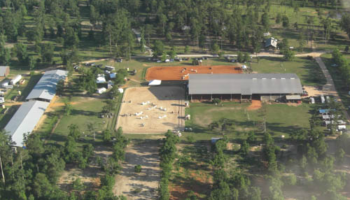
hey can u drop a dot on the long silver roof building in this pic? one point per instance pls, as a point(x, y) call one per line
point(45, 89)
point(244, 84)
point(25, 120)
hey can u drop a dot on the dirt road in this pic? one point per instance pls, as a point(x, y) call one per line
point(144, 185)
point(329, 87)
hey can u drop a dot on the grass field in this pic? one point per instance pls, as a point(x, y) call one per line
point(281, 119)
point(308, 70)
point(85, 111)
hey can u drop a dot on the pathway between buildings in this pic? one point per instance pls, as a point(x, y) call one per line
point(329, 87)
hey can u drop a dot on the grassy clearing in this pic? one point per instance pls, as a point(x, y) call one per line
point(308, 70)
point(281, 119)
point(86, 111)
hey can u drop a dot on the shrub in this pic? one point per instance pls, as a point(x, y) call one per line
point(190, 139)
point(138, 168)
point(216, 101)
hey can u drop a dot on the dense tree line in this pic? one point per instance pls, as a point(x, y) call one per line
point(342, 65)
point(167, 154)
point(33, 172)
point(238, 23)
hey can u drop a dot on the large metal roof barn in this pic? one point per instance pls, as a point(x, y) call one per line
point(45, 89)
point(25, 120)
point(244, 84)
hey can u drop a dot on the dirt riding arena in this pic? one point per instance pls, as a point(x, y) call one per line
point(182, 72)
point(147, 110)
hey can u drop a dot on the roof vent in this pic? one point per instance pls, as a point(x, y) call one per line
point(273, 78)
point(283, 78)
point(263, 78)
point(292, 78)
point(254, 78)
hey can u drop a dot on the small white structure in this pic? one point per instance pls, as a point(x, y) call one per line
point(244, 67)
point(101, 78)
point(16, 79)
point(323, 100)
point(5, 84)
point(112, 75)
point(267, 34)
point(185, 28)
point(155, 82)
point(2, 100)
point(341, 127)
point(101, 90)
point(312, 100)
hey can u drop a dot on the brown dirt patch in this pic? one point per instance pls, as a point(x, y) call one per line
point(181, 72)
point(143, 185)
point(198, 182)
point(256, 105)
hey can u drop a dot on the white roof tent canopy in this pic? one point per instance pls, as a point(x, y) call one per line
point(155, 82)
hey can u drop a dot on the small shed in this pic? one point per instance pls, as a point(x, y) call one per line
point(2, 100)
point(4, 71)
point(155, 82)
point(112, 75)
point(101, 78)
point(121, 90)
point(16, 79)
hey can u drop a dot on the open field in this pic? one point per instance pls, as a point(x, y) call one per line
point(85, 113)
point(155, 100)
point(280, 118)
point(308, 70)
point(143, 185)
point(181, 73)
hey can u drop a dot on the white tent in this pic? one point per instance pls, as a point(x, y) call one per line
point(155, 82)
point(16, 79)
point(244, 67)
point(100, 80)
point(121, 90)
point(101, 90)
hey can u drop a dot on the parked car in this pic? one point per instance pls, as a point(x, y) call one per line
point(305, 94)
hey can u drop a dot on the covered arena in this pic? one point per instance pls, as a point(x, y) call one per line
point(243, 87)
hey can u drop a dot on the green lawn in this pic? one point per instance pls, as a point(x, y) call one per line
point(82, 114)
point(308, 70)
point(281, 119)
